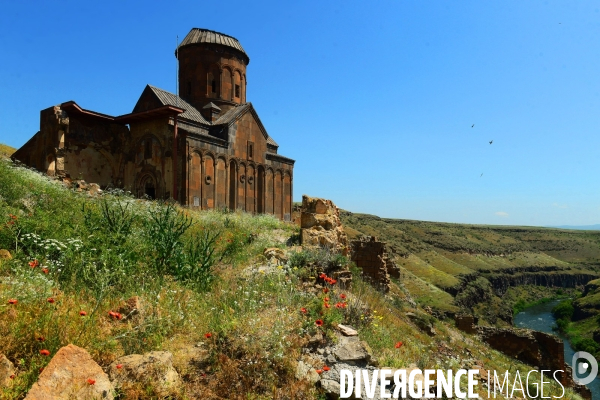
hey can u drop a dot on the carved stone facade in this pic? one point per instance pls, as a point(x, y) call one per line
point(206, 148)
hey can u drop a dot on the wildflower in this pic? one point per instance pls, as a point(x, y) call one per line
point(13, 216)
point(322, 276)
point(319, 371)
point(303, 310)
point(344, 304)
point(327, 305)
point(45, 352)
point(41, 338)
point(12, 376)
point(119, 366)
point(326, 368)
point(13, 301)
point(45, 270)
point(208, 335)
point(34, 263)
point(342, 296)
point(50, 300)
point(326, 299)
point(319, 322)
point(41, 369)
point(398, 345)
point(325, 290)
point(82, 313)
point(115, 315)
point(280, 267)
point(338, 305)
point(91, 381)
point(332, 281)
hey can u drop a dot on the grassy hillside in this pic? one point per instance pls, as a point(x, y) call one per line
point(6, 151)
point(76, 258)
point(480, 267)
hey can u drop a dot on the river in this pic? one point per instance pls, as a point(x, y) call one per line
point(540, 318)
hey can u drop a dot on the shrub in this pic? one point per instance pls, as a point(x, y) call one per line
point(563, 310)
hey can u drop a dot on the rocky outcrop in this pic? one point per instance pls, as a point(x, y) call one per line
point(538, 277)
point(5, 255)
point(466, 323)
point(71, 374)
point(371, 256)
point(320, 225)
point(154, 369)
point(538, 349)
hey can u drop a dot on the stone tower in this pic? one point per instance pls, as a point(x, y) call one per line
point(212, 69)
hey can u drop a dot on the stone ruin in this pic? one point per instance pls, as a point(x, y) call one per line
point(370, 255)
point(320, 225)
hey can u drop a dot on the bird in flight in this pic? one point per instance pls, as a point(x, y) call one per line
point(472, 125)
point(481, 175)
point(491, 141)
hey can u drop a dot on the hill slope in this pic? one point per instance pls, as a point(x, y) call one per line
point(481, 267)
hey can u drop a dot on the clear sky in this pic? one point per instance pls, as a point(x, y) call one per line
point(375, 100)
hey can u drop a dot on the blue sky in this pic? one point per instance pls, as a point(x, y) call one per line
point(374, 99)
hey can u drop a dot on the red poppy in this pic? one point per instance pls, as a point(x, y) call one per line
point(115, 315)
point(344, 304)
point(319, 371)
point(303, 310)
point(208, 335)
point(325, 290)
point(41, 338)
point(332, 281)
point(326, 305)
point(322, 276)
point(82, 313)
point(12, 376)
point(338, 305)
point(13, 301)
point(119, 366)
point(45, 352)
point(342, 296)
point(34, 263)
point(45, 270)
point(10, 223)
point(398, 345)
point(41, 369)
point(13, 216)
point(319, 322)
point(91, 381)
point(326, 368)
point(326, 299)
point(50, 300)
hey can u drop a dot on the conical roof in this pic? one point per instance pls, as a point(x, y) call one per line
point(199, 35)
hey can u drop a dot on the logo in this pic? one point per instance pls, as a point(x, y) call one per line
point(581, 367)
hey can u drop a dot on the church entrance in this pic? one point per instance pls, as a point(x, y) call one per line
point(147, 187)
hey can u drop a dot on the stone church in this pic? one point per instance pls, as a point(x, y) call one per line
point(206, 149)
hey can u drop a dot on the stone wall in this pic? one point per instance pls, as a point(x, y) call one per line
point(320, 225)
point(466, 323)
point(371, 257)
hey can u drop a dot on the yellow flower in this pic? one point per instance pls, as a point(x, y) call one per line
point(280, 267)
point(262, 271)
point(375, 325)
point(374, 311)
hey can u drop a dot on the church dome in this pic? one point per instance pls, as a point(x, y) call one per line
point(201, 36)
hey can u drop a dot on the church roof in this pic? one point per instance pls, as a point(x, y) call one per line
point(199, 35)
point(169, 99)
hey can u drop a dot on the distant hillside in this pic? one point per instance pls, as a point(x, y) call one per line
point(483, 268)
point(580, 227)
point(6, 151)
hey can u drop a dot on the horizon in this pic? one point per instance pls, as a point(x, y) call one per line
point(388, 109)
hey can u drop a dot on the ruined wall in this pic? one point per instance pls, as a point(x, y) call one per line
point(320, 225)
point(466, 323)
point(371, 257)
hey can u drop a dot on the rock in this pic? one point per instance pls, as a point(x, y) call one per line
point(7, 369)
point(5, 255)
point(352, 351)
point(306, 372)
point(154, 369)
point(346, 330)
point(69, 375)
point(331, 387)
point(277, 254)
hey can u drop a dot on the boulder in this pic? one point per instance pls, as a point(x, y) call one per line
point(131, 308)
point(71, 374)
point(7, 370)
point(346, 330)
point(276, 254)
point(154, 369)
point(305, 372)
